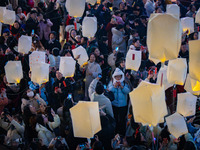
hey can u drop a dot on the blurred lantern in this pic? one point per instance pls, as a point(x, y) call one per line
point(85, 119)
point(0, 27)
point(163, 37)
point(75, 8)
point(36, 57)
point(162, 78)
point(24, 44)
point(177, 71)
point(92, 2)
point(173, 9)
point(194, 63)
point(187, 24)
point(13, 70)
point(98, 1)
point(2, 9)
point(192, 86)
point(197, 17)
point(149, 108)
point(186, 105)
point(176, 125)
point(89, 26)
point(133, 59)
point(67, 66)
point(9, 17)
point(80, 51)
point(40, 73)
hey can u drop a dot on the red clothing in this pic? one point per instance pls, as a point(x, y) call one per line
point(109, 35)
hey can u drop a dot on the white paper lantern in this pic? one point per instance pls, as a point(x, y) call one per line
point(133, 59)
point(148, 102)
point(176, 125)
point(177, 71)
point(40, 73)
point(36, 57)
point(67, 66)
point(83, 55)
point(92, 2)
point(163, 37)
point(24, 44)
point(162, 78)
point(194, 63)
point(187, 24)
point(2, 9)
point(89, 26)
point(9, 17)
point(186, 105)
point(13, 70)
point(197, 17)
point(173, 9)
point(85, 119)
point(192, 86)
point(75, 8)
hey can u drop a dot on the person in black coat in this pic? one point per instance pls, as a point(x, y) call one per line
point(32, 23)
point(53, 42)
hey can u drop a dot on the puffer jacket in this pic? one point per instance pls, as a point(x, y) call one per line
point(46, 135)
point(118, 40)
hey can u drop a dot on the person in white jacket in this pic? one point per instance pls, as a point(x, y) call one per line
point(45, 128)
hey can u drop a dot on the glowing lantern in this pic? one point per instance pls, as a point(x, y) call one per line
point(133, 59)
point(13, 70)
point(186, 105)
point(92, 2)
point(192, 86)
point(197, 17)
point(177, 71)
point(98, 1)
point(149, 108)
point(194, 63)
point(40, 73)
point(36, 57)
point(75, 8)
point(24, 44)
point(67, 66)
point(9, 17)
point(89, 26)
point(85, 119)
point(2, 9)
point(173, 9)
point(83, 55)
point(187, 24)
point(162, 78)
point(176, 125)
point(163, 37)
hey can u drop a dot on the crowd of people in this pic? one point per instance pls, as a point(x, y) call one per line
point(37, 116)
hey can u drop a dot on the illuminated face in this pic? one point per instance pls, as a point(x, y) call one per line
point(92, 58)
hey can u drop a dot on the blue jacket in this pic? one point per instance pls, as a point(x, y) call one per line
point(120, 94)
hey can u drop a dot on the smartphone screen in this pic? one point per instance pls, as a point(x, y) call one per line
point(117, 48)
point(69, 96)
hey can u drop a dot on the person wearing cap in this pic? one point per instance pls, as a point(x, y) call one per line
point(32, 23)
point(120, 90)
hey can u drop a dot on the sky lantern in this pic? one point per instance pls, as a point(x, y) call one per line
point(177, 71)
point(85, 119)
point(187, 24)
point(40, 73)
point(149, 108)
point(197, 17)
point(163, 37)
point(9, 17)
point(75, 8)
point(89, 26)
point(186, 105)
point(36, 57)
point(2, 9)
point(67, 66)
point(13, 70)
point(80, 51)
point(173, 9)
point(176, 125)
point(133, 59)
point(192, 86)
point(24, 44)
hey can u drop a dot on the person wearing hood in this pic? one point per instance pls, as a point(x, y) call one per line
point(120, 90)
point(53, 42)
point(45, 128)
point(119, 39)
